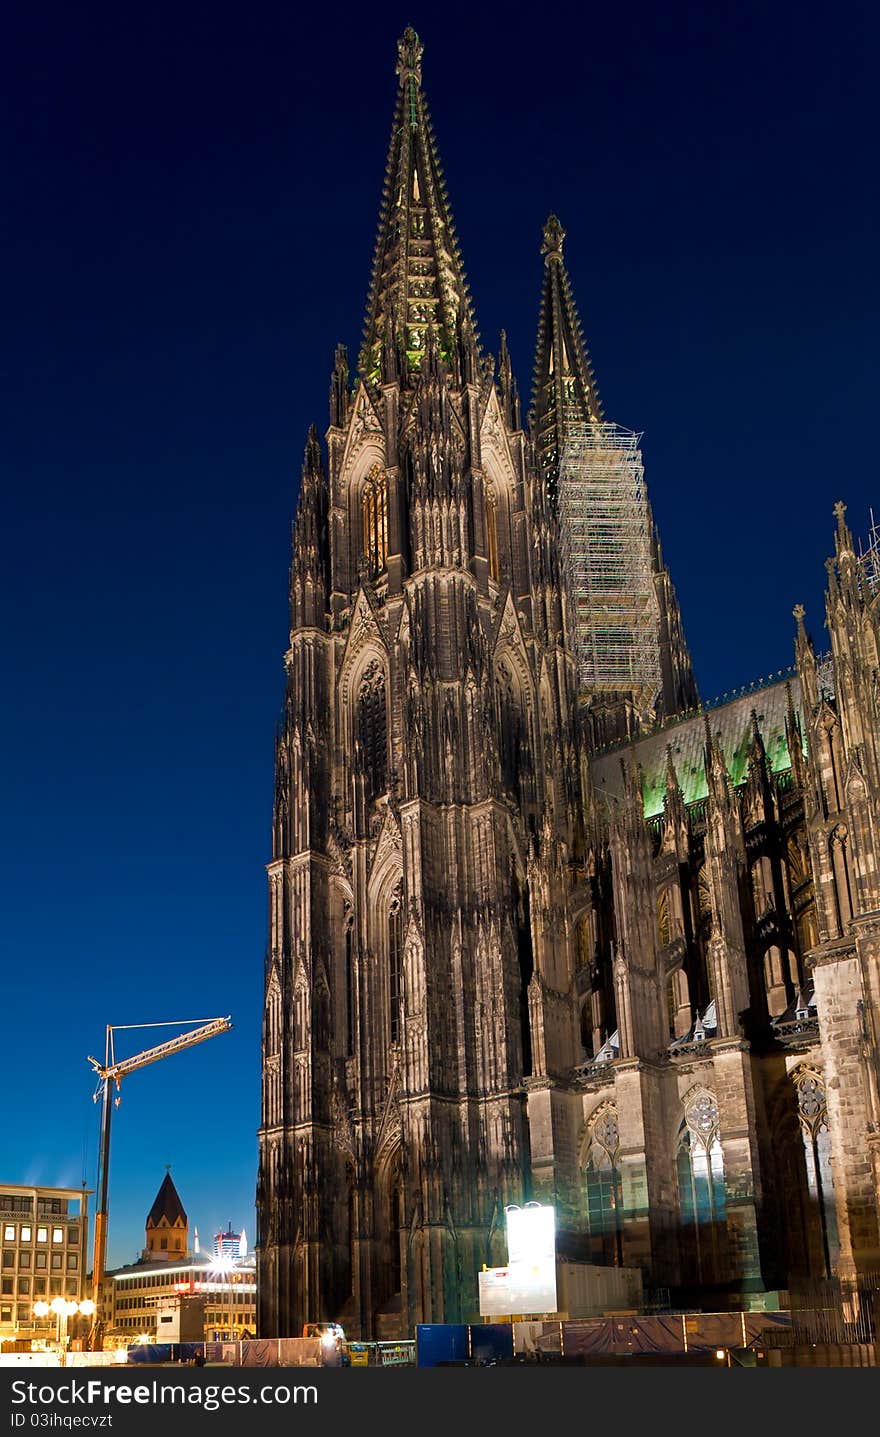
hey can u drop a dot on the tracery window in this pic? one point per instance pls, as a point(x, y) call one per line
point(604, 1189)
point(374, 508)
point(701, 1194)
point(372, 730)
point(395, 965)
point(813, 1115)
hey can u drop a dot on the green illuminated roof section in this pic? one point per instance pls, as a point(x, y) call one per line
point(731, 724)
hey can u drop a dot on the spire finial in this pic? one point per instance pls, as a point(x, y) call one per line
point(553, 236)
point(409, 56)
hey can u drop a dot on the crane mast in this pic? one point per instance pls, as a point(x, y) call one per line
point(110, 1074)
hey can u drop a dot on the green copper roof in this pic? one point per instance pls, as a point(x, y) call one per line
point(732, 725)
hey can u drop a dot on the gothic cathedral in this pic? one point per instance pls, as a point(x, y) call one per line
point(535, 933)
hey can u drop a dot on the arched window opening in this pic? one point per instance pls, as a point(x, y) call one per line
point(586, 1025)
point(492, 532)
point(372, 730)
point(664, 918)
point(396, 1271)
point(395, 967)
point(679, 1003)
point(838, 766)
point(299, 1019)
point(813, 1115)
point(778, 982)
point(349, 989)
point(605, 1190)
point(521, 908)
point(701, 1194)
point(374, 508)
point(273, 1020)
point(352, 1231)
point(322, 1019)
point(513, 738)
point(762, 885)
point(841, 877)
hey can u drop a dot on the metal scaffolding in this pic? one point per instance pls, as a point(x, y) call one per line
point(606, 535)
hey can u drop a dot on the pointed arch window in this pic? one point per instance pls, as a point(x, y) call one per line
point(605, 1189)
point(701, 1193)
point(374, 509)
point(513, 739)
point(372, 729)
point(299, 1019)
point(395, 966)
point(349, 987)
point(492, 532)
point(840, 869)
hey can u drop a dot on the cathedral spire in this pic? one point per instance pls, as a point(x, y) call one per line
point(564, 388)
point(308, 568)
point(418, 283)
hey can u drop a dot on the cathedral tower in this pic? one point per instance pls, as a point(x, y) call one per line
point(634, 667)
point(427, 806)
point(535, 933)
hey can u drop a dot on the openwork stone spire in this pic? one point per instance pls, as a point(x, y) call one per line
point(564, 389)
point(418, 282)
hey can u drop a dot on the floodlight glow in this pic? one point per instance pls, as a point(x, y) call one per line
point(41, 1309)
point(87, 1307)
point(58, 1306)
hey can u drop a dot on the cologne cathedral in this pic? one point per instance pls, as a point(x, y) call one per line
point(541, 925)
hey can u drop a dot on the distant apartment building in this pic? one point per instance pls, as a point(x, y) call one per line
point(43, 1256)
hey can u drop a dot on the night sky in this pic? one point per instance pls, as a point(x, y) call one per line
point(189, 199)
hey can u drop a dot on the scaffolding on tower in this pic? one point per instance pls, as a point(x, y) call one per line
point(606, 533)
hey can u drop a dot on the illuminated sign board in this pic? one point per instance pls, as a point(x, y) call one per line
point(528, 1283)
point(531, 1235)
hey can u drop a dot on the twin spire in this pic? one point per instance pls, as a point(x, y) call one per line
point(564, 389)
point(419, 298)
point(418, 292)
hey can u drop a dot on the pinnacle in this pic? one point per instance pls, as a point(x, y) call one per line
point(409, 55)
point(553, 235)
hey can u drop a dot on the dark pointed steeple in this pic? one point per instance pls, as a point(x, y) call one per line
point(564, 387)
point(308, 568)
point(418, 282)
point(166, 1205)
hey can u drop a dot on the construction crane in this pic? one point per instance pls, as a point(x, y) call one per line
point(110, 1074)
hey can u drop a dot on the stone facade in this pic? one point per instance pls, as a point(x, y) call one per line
point(639, 981)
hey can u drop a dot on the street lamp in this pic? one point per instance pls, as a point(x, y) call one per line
point(63, 1310)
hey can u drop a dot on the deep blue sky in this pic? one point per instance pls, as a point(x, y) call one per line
point(189, 198)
